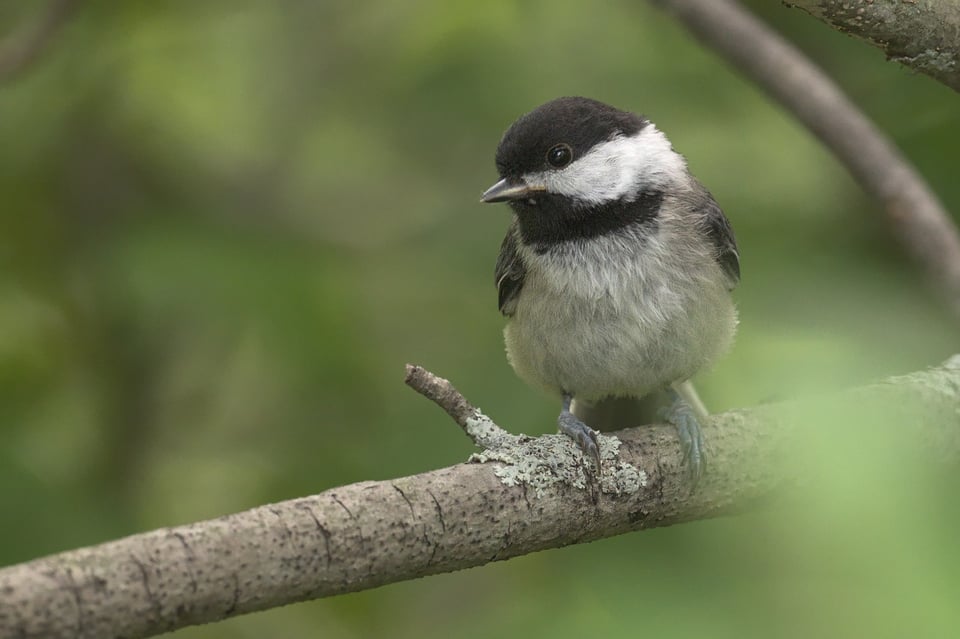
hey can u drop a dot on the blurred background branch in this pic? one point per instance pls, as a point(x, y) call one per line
point(916, 216)
point(921, 34)
point(24, 47)
point(369, 534)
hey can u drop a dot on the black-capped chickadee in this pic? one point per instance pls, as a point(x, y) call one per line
point(615, 275)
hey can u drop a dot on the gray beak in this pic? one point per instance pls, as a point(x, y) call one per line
point(504, 191)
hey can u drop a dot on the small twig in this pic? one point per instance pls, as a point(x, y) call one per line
point(21, 51)
point(441, 392)
point(542, 461)
point(478, 427)
point(918, 219)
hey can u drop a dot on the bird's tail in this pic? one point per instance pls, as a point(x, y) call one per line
point(614, 413)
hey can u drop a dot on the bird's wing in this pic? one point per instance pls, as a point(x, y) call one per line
point(510, 271)
point(718, 229)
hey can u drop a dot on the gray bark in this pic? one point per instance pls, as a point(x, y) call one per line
point(537, 495)
point(921, 34)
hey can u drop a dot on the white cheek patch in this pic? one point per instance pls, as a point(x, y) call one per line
point(621, 167)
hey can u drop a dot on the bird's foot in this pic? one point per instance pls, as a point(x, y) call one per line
point(681, 415)
point(585, 437)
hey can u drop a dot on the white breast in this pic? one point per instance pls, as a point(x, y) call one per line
point(618, 315)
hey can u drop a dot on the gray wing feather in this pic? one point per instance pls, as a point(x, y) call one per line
point(510, 272)
point(718, 229)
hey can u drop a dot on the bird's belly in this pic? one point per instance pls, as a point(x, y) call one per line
point(593, 347)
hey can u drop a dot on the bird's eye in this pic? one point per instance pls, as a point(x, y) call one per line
point(559, 155)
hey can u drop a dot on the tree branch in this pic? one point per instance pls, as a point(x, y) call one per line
point(18, 52)
point(918, 219)
point(479, 428)
point(921, 34)
point(530, 497)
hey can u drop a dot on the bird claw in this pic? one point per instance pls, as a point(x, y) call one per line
point(587, 439)
point(691, 438)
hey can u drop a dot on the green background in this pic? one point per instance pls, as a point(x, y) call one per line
point(226, 226)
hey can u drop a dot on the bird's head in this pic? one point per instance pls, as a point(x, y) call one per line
point(575, 167)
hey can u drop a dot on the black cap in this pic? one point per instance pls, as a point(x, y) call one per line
point(578, 122)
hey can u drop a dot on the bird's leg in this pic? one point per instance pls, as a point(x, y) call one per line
point(585, 437)
point(687, 413)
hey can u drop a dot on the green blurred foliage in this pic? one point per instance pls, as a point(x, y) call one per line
point(225, 226)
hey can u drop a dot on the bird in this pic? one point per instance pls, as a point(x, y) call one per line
point(616, 271)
